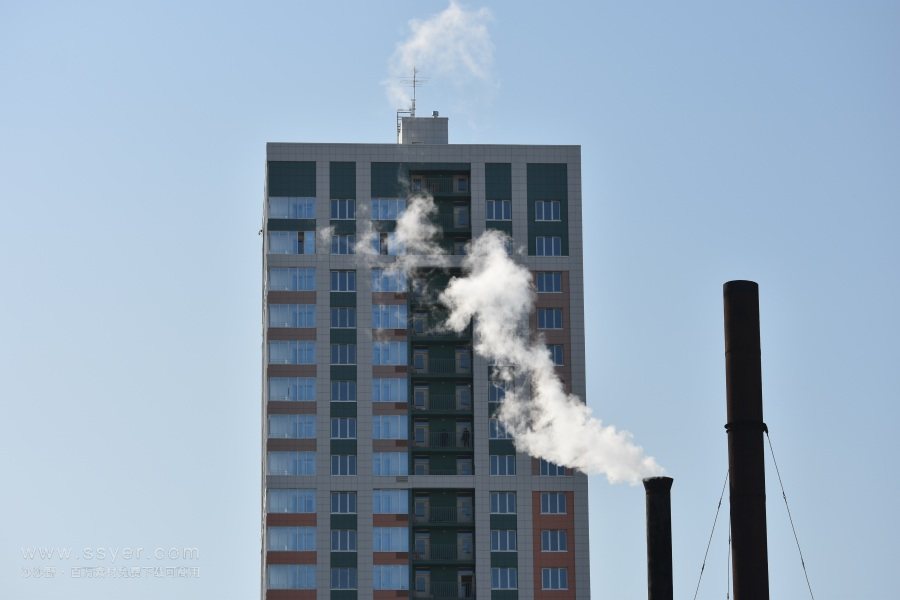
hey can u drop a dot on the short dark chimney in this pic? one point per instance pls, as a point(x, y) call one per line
point(746, 467)
point(659, 538)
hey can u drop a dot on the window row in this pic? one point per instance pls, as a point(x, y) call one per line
point(303, 352)
point(381, 209)
point(292, 242)
point(293, 463)
point(383, 502)
point(547, 245)
point(292, 315)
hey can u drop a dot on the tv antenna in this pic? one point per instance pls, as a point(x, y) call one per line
point(414, 82)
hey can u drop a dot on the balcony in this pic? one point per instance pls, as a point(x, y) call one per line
point(430, 332)
point(445, 440)
point(437, 185)
point(453, 223)
point(442, 553)
point(443, 403)
point(446, 591)
point(444, 515)
point(441, 367)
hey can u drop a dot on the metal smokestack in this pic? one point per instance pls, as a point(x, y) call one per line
point(659, 538)
point(746, 467)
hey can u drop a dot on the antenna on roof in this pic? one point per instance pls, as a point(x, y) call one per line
point(415, 81)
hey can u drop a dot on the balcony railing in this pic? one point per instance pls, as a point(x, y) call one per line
point(445, 403)
point(446, 591)
point(446, 440)
point(448, 552)
point(454, 223)
point(442, 366)
point(447, 515)
point(438, 186)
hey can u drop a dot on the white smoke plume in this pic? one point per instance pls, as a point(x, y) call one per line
point(413, 242)
point(453, 45)
point(543, 419)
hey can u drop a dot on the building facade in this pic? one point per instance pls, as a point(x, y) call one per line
point(384, 473)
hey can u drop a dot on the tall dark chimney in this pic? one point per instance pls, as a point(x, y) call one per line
point(746, 468)
point(659, 538)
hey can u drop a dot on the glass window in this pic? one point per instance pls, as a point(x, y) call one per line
point(292, 539)
point(291, 577)
point(292, 279)
point(343, 464)
point(343, 390)
point(463, 397)
point(389, 316)
point(463, 360)
point(343, 354)
point(503, 540)
point(548, 282)
point(504, 578)
point(551, 469)
point(292, 389)
point(499, 210)
point(343, 317)
point(390, 463)
point(420, 359)
point(556, 354)
point(285, 207)
point(292, 242)
point(460, 215)
point(546, 210)
point(554, 578)
point(390, 389)
point(389, 353)
point(343, 243)
point(548, 245)
point(390, 539)
point(343, 540)
point(343, 578)
point(284, 500)
point(549, 318)
point(390, 502)
point(462, 183)
point(386, 209)
point(496, 392)
point(503, 464)
point(343, 502)
point(291, 463)
point(553, 503)
point(384, 280)
point(292, 352)
point(298, 427)
point(389, 427)
point(292, 315)
point(387, 244)
point(343, 281)
point(420, 397)
point(390, 577)
point(503, 503)
point(497, 430)
point(554, 540)
point(344, 208)
point(343, 428)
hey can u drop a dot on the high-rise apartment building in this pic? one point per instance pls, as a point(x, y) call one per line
point(385, 475)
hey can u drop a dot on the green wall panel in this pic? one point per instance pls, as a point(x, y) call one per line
point(342, 179)
point(289, 178)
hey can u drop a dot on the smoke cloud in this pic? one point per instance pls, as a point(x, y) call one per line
point(413, 242)
point(454, 45)
point(543, 419)
point(498, 295)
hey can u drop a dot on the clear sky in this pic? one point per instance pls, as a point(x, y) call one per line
point(719, 141)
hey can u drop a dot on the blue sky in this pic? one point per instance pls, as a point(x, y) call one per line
point(719, 142)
